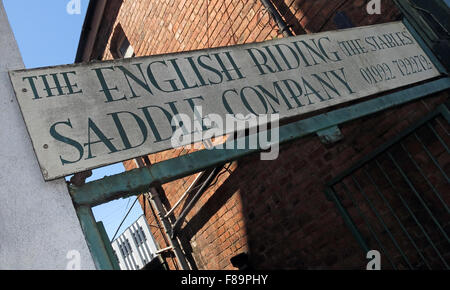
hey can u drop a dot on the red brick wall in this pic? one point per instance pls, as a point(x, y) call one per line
point(274, 210)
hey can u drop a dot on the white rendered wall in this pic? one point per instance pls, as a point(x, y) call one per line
point(140, 255)
point(38, 223)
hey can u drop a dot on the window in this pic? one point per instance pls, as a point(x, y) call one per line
point(435, 13)
point(120, 45)
point(142, 234)
point(115, 255)
point(139, 236)
point(397, 194)
point(136, 238)
point(128, 247)
point(125, 49)
point(125, 248)
point(430, 19)
point(122, 250)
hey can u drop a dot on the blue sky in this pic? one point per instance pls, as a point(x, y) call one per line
point(47, 35)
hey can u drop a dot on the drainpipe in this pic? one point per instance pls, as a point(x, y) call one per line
point(160, 211)
point(284, 28)
point(90, 29)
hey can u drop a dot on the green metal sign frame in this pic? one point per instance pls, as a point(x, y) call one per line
point(137, 181)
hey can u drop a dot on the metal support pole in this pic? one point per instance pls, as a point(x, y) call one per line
point(156, 203)
point(284, 28)
point(101, 250)
point(331, 194)
point(184, 194)
point(198, 194)
point(173, 242)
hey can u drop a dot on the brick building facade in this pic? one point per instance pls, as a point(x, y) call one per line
point(276, 211)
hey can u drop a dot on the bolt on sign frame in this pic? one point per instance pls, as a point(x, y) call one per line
point(138, 181)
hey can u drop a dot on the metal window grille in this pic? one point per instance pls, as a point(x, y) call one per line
point(396, 200)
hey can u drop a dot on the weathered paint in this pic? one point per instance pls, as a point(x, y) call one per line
point(95, 240)
point(89, 115)
point(108, 246)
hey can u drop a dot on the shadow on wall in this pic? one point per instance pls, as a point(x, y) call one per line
point(289, 223)
point(118, 41)
point(305, 16)
point(287, 226)
point(289, 16)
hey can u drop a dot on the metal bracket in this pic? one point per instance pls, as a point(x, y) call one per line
point(330, 135)
point(79, 178)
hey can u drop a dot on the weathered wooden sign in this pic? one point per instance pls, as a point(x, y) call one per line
point(88, 115)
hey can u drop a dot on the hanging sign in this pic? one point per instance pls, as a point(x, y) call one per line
point(89, 115)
